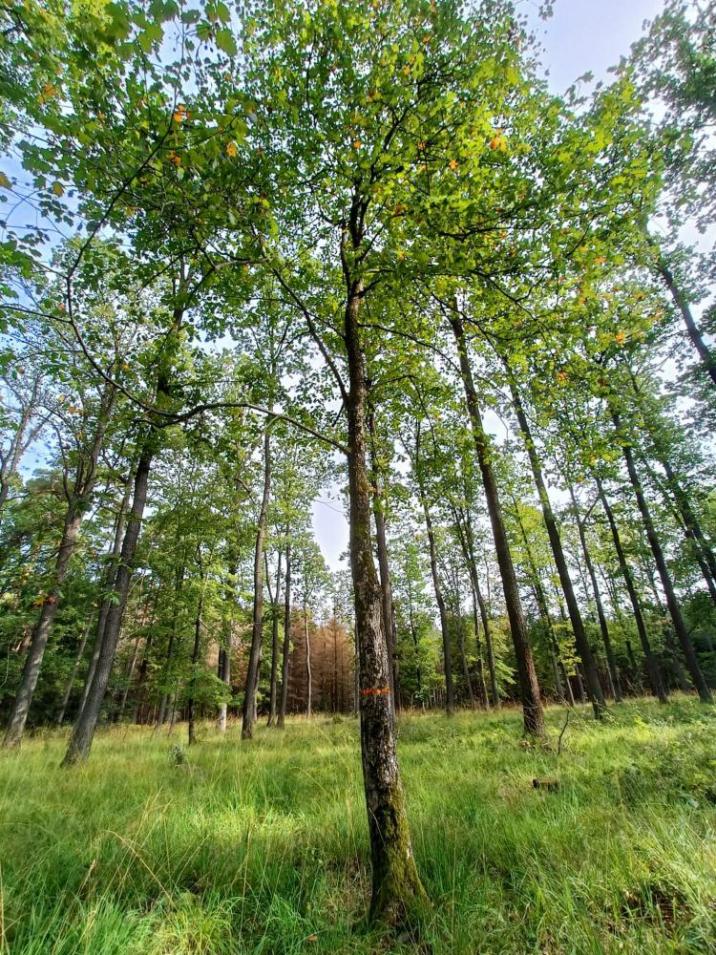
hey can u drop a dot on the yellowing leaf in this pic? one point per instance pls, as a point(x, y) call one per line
point(232, 150)
point(4, 181)
point(48, 91)
point(58, 189)
point(357, 144)
point(453, 164)
point(499, 142)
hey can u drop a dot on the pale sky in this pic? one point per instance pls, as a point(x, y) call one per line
point(583, 36)
point(588, 35)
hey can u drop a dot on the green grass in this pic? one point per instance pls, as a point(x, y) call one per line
point(261, 847)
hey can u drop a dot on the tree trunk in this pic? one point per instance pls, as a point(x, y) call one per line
point(130, 674)
point(672, 603)
point(191, 703)
point(224, 674)
point(252, 673)
point(140, 710)
point(73, 675)
point(78, 500)
point(463, 658)
point(84, 729)
point(41, 632)
point(172, 718)
point(437, 586)
point(384, 568)
point(681, 505)
point(396, 884)
point(682, 303)
point(652, 668)
point(172, 644)
point(273, 692)
point(543, 608)
point(107, 590)
point(533, 713)
point(678, 502)
point(416, 645)
point(335, 662)
point(10, 461)
point(286, 640)
point(603, 626)
point(469, 550)
point(309, 672)
point(594, 688)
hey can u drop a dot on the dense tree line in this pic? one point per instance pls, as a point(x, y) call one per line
point(285, 251)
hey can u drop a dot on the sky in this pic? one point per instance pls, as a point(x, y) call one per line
point(582, 36)
point(588, 35)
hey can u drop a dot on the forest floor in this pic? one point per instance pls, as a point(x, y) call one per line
point(262, 847)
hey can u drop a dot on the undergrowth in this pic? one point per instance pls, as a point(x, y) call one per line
point(233, 847)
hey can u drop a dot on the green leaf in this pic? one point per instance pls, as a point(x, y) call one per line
point(226, 42)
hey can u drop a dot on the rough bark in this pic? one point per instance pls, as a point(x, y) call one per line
point(396, 887)
point(533, 713)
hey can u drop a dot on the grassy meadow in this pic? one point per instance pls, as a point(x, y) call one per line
point(261, 847)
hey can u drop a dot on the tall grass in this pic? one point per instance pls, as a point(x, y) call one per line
point(261, 847)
